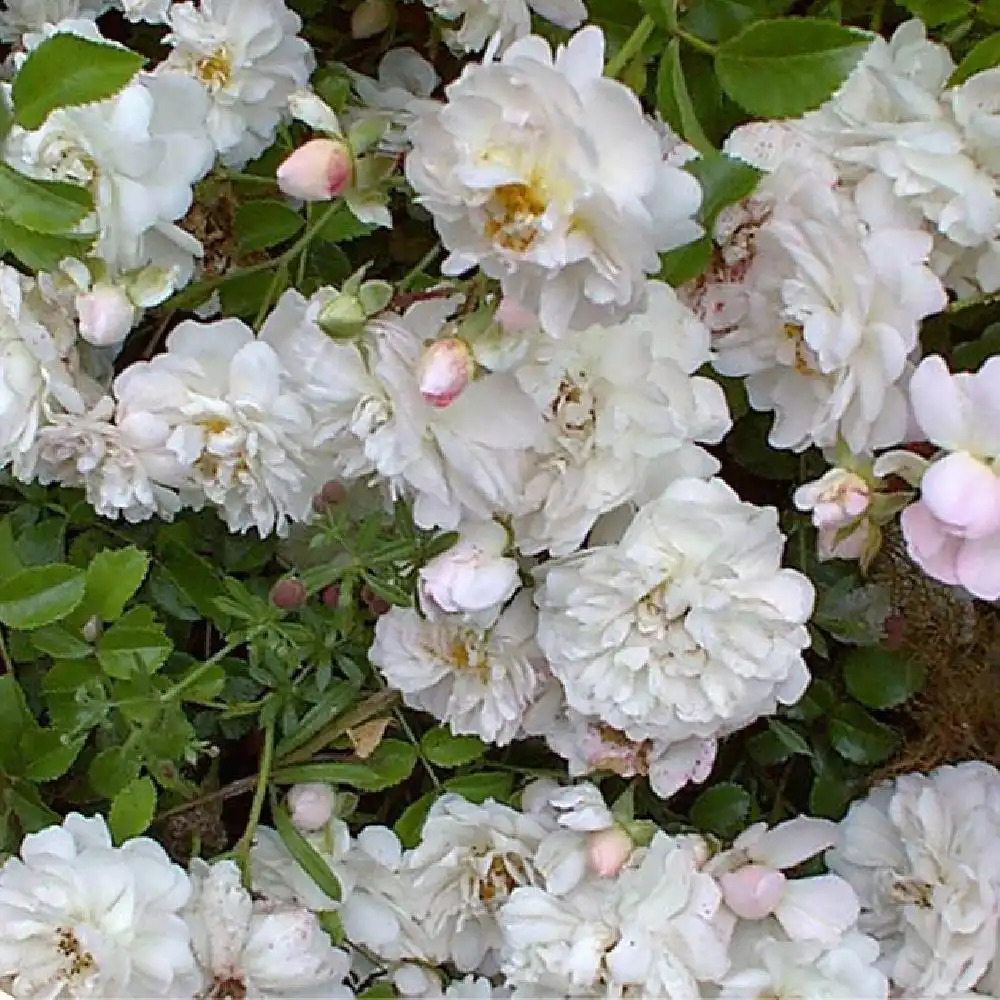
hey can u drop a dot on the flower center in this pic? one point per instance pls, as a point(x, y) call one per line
point(803, 356)
point(215, 69)
point(514, 212)
point(78, 963)
point(914, 891)
point(574, 407)
point(504, 874)
point(225, 989)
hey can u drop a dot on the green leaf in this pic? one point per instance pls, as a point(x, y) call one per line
point(40, 595)
point(724, 181)
point(879, 678)
point(411, 821)
point(989, 11)
point(49, 753)
point(983, 55)
point(52, 207)
point(685, 263)
point(14, 719)
point(776, 745)
point(265, 223)
point(722, 809)
point(343, 226)
point(133, 809)
point(445, 750)
point(127, 648)
point(38, 251)
point(114, 576)
point(66, 70)
point(674, 101)
point(31, 812)
point(859, 738)
point(10, 560)
point(60, 643)
point(787, 66)
point(392, 762)
point(209, 685)
point(968, 357)
point(111, 770)
point(935, 12)
point(42, 542)
point(829, 796)
point(484, 785)
point(305, 854)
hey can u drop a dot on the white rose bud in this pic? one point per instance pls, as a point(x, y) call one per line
point(106, 315)
point(371, 17)
point(608, 850)
point(318, 171)
point(835, 499)
point(311, 805)
point(473, 578)
point(445, 370)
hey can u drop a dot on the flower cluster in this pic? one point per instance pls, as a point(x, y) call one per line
point(80, 917)
point(565, 898)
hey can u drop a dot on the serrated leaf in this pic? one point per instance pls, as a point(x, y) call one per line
point(38, 251)
point(113, 577)
point(442, 748)
point(859, 738)
point(265, 223)
point(723, 181)
point(40, 595)
point(411, 821)
point(111, 770)
point(133, 809)
point(677, 267)
point(66, 70)
point(209, 685)
point(784, 67)
point(133, 644)
point(52, 207)
point(305, 854)
point(60, 643)
point(722, 809)
point(49, 754)
point(879, 678)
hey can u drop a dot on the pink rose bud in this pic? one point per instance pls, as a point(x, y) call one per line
point(752, 892)
point(288, 594)
point(311, 805)
point(445, 370)
point(317, 171)
point(106, 315)
point(608, 850)
point(963, 494)
point(371, 17)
